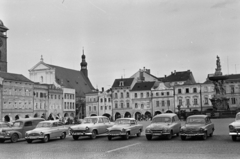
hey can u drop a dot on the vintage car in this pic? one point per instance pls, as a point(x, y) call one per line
point(5, 125)
point(197, 126)
point(234, 127)
point(167, 124)
point(125, 127)
point(47, 130)
point(91, 126)
point(18, 129)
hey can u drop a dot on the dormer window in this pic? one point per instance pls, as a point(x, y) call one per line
point(121, 83)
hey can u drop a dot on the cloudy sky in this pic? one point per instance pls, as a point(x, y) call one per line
point(122, 36)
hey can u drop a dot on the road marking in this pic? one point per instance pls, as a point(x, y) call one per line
point(122, 147)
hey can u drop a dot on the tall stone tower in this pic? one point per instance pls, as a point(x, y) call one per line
point(84, 65)
point(3, 47)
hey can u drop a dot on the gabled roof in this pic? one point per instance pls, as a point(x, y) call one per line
point(72, 79)
point(178, 76)
point(126, 82)
point(14, 77)
point(143, 86)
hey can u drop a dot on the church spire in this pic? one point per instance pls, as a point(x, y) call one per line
point(84, 64)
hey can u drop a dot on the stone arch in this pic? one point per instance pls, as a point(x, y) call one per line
point(26, 116)
point(148, 114)
point(43, 116)
point(7, 118)
point(93, 115)
point(35, 115)
point(157, 112)
point(138, 116)
point(127, 115)
point(107, 115)
point(50, 117)
point(117, 115)
point(72, 115)
point(168, 111)
point(17, 117)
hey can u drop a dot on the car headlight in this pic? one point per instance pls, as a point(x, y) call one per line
point(26, 134)
point(41, 133)
point(148, 131)
point(123, 130)
point(202, 130)
point(87, 128)
point(231, 128)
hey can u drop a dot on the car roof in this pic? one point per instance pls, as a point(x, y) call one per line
point(30, 119)
point(165, 115)
point(126, 118)
point(97, 117)
point(199, 116)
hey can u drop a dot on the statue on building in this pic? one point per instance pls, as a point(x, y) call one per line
point(218, 71)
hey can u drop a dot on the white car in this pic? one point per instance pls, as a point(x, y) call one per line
point(234, 128)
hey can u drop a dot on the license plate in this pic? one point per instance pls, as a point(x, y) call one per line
point(157, 133)
point(77, 133)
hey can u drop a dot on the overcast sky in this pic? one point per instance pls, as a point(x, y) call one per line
point(122, 36)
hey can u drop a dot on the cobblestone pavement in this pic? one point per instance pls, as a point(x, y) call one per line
point(218, 147)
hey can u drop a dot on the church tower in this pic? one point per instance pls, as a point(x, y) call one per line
point(3, 47)
point(84, 65)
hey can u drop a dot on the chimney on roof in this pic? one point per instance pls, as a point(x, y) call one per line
point(175, 72)
point(171, 73)
point(188, 70)
point(102, 89)
point(141, 76)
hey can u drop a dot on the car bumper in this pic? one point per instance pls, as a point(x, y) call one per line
point(157, 134)
point(34, 137)
point(81, 134)
point(5, 137)
point(234, 133)
point(118, 134)
point(192, 134)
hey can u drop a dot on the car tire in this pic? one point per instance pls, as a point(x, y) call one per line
point(2, 140)
point(45, 138)
point(149, 137)
point(75, 137)
point(63, 136)
point(169, 137)
point(204, 137)
point(29, 141)
point(14, 138)
point(183, 137)
point(94, 134)
point(126, 137)
point(139, 133)
point(234, 138)
point(109, 138)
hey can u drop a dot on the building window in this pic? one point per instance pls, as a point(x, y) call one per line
point(195, 101)
point(65, 105)
point(147, 94)
point(187, 90)
point(127, 94)
point(157, 94)
point(135, 95)
point(187, 101)
point(141, 95)
point(41, 79)
point(232, 89)
point(168, 93)
point(179, 91)
point(136, 105)
point(109, 100)
point(142, 106)
point(162, 93)
point(90, 108)
point(157, 103)
point(194, 90)
point(116, 105)
point(206, 100)
point(95, 108)
point(116, 96)
point(101, 107)
point(168, 102)
point(121, 95)
point(233, 100)
point(180, 102)
point(121, 105)
point(105, 107)
point(101, 100)
point(105, 99)
point(109, 107)
point(163, 103)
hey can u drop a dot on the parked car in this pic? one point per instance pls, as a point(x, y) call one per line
point(125, 127)
point(234, 127)
point(18, 129)
point(197, 126)
point(5, 125)
point(91, 126)
point(163, 125)
point(47, 130)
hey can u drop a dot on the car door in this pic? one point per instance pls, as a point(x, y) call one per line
point(101, 126)
point(54, 130)
point(208, 125)
point(107, 123)
point(178, 123)
point(133, 128)
point(28, 125)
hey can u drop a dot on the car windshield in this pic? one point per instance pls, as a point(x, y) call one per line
point(161, 120)
point(17, 124)
point(238, 117)
point(44, 125)
point(122, 121)
point(195, 120)
point(90, 120)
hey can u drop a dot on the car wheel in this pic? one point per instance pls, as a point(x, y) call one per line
point(14, 138)
point(29, 141)
point(109, 138)
point(2, 140)
point(139, 133)
point(204, 137)
point(75, 137)
point(126, 137)
point(94, 134)
point(183, 137)
point(169, 137)
point(211, 134)
point(149, 137)
point(63, 136)
point(45, 138)
point(234, 138)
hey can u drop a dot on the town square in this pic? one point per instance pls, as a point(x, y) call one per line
point(119, 79)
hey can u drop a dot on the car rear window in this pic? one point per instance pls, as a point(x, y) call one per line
point(161, 120)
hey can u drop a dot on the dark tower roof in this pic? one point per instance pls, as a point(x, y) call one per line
point(83, 63)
